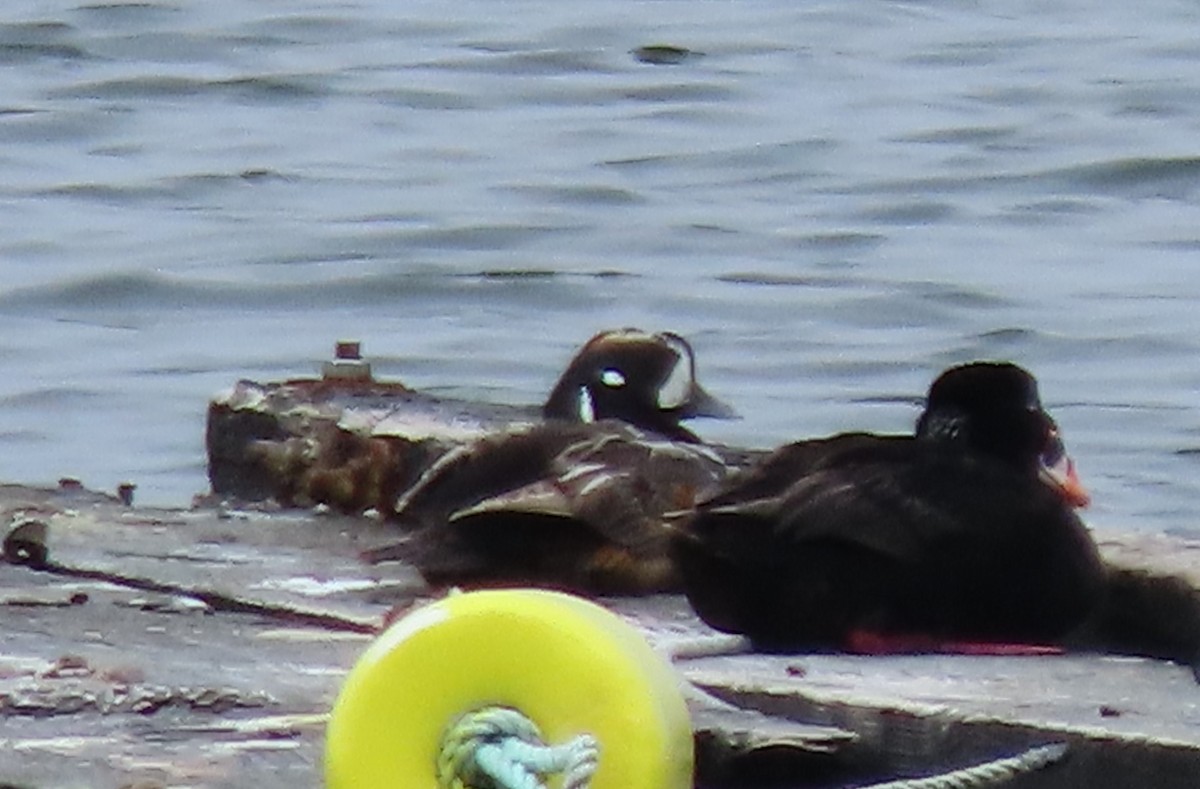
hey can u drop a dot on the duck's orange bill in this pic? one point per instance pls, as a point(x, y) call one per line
point(1061, 476)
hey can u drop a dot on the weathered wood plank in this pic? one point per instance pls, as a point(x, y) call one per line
point(204, 648)
point(160, 648)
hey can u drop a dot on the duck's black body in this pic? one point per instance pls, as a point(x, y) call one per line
point(894, 536)
point(949, 535)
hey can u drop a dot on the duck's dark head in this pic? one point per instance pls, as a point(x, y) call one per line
point(647, 380)
point(994, 408)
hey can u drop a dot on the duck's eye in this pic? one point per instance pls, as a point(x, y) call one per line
point(612, 378)
point(676, 390)
point(1053, 451)
point(951, 426)
point(587, 409)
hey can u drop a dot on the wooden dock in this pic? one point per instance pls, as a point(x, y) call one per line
point(203, 648)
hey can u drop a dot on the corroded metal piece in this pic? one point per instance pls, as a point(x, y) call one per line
point(350, 443)
point(25, 543)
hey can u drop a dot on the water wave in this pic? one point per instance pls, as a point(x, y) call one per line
point(258, 88)
point(23, 42)
point(133, 292)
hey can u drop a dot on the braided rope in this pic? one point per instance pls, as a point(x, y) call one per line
point(499, 748)
point(987, 774)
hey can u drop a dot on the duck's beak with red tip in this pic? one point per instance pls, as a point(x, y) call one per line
point(1057, 470)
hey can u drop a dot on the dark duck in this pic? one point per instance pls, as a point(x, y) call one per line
point(578, 501)
point(962, 537)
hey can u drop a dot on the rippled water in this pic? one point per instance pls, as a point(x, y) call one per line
point(833, 200)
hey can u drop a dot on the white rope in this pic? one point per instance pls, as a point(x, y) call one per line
point(500, 748)
point(983, 775)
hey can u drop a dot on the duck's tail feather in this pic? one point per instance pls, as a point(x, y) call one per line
point(1148, 614)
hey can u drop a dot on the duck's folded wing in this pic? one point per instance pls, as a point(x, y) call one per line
point(863, 506)
point(496, 464)
point(616, 483)
point(773, 474)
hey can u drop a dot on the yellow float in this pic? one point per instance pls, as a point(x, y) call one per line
point(474, 665)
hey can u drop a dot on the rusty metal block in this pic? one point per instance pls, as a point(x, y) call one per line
point(344, 440)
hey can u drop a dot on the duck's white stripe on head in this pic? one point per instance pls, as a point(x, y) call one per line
point(627, 335)
point(677, 387)
point(587, 409)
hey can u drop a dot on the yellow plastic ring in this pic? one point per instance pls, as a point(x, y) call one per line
point(568, 664)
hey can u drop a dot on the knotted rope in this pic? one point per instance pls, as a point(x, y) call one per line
point(499, 748)
point(987, 774)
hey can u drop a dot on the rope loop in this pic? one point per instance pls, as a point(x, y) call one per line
point(988, 774)
point(500, 748)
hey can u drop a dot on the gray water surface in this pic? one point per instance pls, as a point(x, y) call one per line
point(833, 200)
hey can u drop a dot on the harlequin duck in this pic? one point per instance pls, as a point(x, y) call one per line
point(645, 380)
point(578, 501)
point(965, 532)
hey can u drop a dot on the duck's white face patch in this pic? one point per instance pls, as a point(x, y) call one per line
point(675, 391)
point(612, 378)
point(587, 409)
